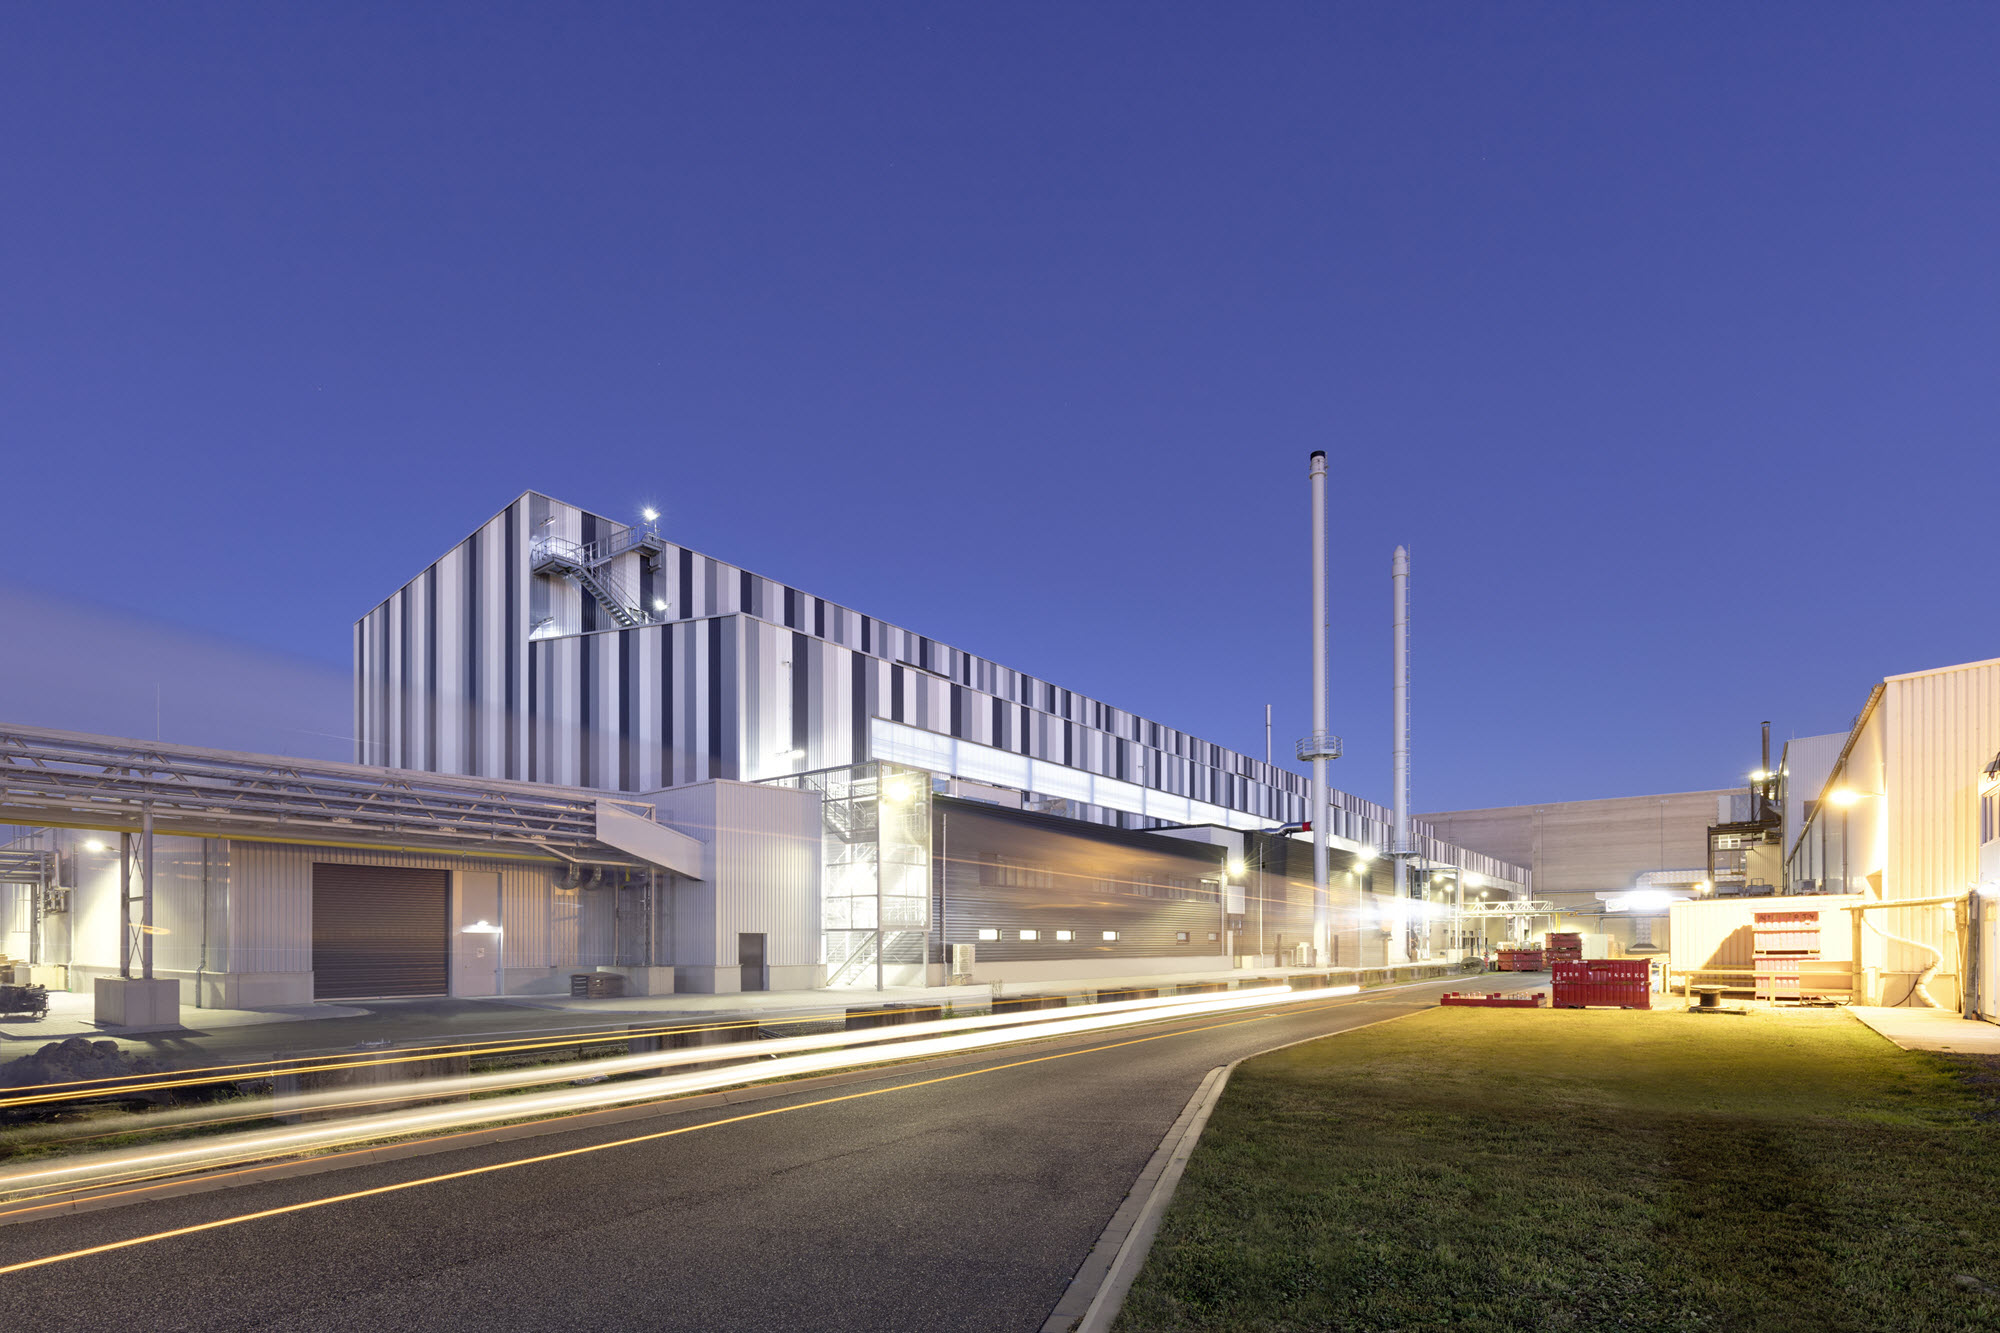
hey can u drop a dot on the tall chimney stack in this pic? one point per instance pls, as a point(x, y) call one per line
point(1318, 747)
point(1399, 577)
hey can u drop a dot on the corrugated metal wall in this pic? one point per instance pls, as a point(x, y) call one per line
point(1941, 730)
point(271, 900)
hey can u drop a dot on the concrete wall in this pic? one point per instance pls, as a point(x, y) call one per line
point(1579, 849)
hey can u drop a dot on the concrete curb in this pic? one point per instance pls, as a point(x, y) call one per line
point(1097, 1292)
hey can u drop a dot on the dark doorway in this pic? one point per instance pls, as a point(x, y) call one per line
point(750, 954)
point(380, 931)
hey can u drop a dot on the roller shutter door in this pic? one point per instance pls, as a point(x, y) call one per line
point(380, 931)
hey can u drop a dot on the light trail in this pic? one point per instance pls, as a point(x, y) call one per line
point(657, 1135)
point(117, 1169)
point(796, 1056)
point(83, 1089)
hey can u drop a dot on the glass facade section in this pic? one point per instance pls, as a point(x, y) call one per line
point(875, 881)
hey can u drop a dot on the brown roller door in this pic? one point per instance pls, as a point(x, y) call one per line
point(380, 931)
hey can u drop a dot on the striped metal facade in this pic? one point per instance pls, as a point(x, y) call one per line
point(480, 667)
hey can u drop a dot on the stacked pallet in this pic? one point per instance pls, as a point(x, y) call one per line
point(1564, 947)
point(1785, 944)
point(1527, 959)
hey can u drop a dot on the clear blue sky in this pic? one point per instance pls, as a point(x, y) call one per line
point(1668, 336)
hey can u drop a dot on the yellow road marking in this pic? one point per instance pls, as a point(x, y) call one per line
point(601, 1147)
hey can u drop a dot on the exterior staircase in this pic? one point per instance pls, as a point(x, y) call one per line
point(591, 566)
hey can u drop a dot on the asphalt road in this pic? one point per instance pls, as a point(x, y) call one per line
point(965, 1204)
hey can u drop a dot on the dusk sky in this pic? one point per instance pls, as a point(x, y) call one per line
point(1668, 338)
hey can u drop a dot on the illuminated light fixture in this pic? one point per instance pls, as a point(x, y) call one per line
point(1759, 775)
point(1843, 796)
point(1065, 934)
point(898, 790)
point(1473, 881)
point(794, 754)
point(1110, 934)
point(1236, 866)
point(479, 927)
point(1703, 887)
point(989, 934)
point(1031, 934)
point(94, 845)
point(659, 603)
point(1365, 854)
point(650, 514)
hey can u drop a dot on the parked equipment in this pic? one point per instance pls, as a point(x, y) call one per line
point(1564, 947)
point(30, 1000)
point(596, 985)
point(1620, 983)
point(1520, 960)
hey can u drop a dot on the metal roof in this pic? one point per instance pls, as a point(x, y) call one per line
point(74, 780)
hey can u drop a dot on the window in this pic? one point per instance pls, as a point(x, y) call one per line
point(1180, 937)
point(1110, 934)
point(1031, 934)
point(988, 933)
point(1065, 934)
point(1211, 937)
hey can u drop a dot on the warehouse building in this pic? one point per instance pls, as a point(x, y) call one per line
point(581, 746)
point(1898, 825)
point(557, 645)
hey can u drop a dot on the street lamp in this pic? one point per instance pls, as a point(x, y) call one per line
point(481, 927)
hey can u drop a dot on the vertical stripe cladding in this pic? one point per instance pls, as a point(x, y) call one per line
point(511, 703)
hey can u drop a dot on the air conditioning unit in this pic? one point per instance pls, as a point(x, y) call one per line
point(961, 963)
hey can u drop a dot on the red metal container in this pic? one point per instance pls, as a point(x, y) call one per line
point(1520, 960)
point(1622, 983)
point(1496, 1000)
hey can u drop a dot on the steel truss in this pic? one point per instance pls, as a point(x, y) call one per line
point(69, 779)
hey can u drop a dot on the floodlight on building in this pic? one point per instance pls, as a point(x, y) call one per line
point(93, 845)
point(659, 603)
point(1759, 775)
point(1843, 796)
point(650, 514)
point(1703, 887)
point(1365, 854)
point(1236, 867)
point(795, 754)
point(896, 791)
point(479, 927)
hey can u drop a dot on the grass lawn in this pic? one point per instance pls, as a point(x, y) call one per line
point(1589, 1169)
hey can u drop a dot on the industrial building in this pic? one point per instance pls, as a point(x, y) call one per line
point(582, 746)
point(1609, 868)
point(1901, 823)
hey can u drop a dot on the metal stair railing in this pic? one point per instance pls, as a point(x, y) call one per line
point(855, 963)
point(589, 565)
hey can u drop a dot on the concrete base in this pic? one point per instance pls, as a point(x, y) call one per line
point(135, 1003)
point(645, 980)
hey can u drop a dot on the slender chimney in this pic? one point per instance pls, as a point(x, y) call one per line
point(1322, 913)
point(1399, 578)
point(1770, 779)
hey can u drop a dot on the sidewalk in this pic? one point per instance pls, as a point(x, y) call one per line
point(1931, 1029)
